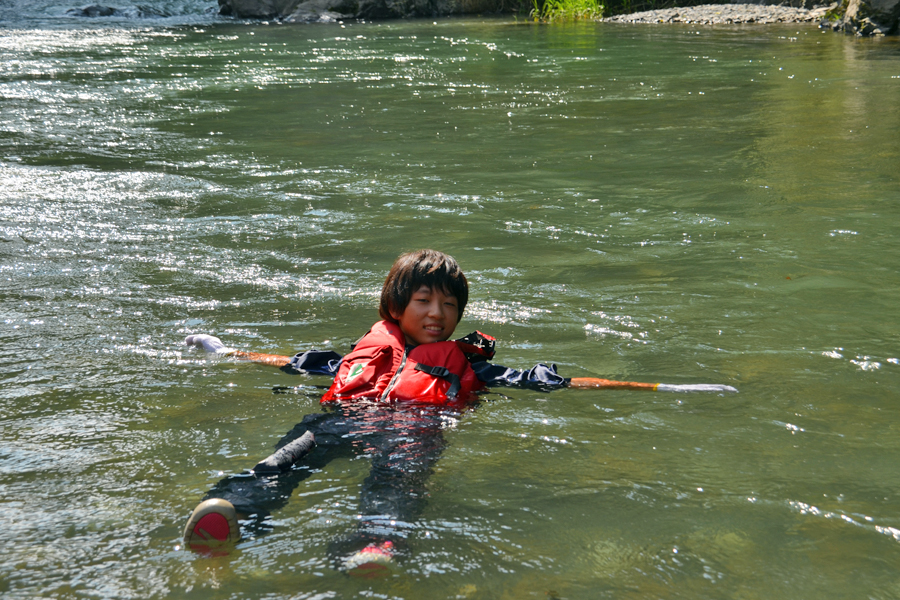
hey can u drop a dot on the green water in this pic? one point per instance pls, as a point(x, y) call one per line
point(653, 203)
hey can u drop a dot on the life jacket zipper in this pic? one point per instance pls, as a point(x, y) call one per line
point(393, 381)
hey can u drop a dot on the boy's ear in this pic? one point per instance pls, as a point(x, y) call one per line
point(395, 314)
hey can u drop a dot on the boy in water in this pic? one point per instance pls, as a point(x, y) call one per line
point(391, 396)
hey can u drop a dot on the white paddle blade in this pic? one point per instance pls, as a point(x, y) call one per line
point(210, 343)
point(695, 387)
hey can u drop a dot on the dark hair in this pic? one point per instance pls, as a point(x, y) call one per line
point(415, 269)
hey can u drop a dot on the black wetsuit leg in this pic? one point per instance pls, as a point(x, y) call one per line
point(256, 496)
point(404, 447)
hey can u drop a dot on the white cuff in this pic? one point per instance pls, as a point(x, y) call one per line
point(210, 343)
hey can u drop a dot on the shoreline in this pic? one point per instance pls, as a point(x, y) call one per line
point(724, 14)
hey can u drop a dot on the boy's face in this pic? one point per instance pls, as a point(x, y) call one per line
point(430, 316)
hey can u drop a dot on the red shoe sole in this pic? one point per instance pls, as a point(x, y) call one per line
point(212, 527)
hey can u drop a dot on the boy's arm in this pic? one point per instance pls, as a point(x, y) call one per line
point(544, 377)
point(214, 345)
point(540, 376)
point(273, 360)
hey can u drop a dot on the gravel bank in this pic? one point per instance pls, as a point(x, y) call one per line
point(719, 14)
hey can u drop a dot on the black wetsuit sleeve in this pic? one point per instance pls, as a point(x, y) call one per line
point(540, 376)
point(314, 362)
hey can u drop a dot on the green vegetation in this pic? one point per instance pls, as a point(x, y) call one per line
point(566, 10)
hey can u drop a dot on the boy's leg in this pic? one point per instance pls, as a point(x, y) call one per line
point(404, 450)
point(395, 487)
point(257, 495)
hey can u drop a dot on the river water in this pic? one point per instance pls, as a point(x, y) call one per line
point(636, 202)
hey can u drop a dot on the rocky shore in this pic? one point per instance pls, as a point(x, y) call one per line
point(722, 14)
point(859, 17)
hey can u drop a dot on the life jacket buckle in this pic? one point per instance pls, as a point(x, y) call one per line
point(442, 373)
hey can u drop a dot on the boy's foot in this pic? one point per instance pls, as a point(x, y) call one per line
point(212, 525)
point(372, 562)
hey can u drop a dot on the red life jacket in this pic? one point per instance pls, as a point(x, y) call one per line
point(382, 367)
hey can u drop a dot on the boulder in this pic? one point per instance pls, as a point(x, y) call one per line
point(257, 9)
point(866, 17)
point(392, 9)
point(92, 11)
point(860, 17)
point(322, 11)
point(305, 11)
point(134, 12)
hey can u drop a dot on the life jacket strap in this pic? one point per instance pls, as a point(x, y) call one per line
point(445, 374)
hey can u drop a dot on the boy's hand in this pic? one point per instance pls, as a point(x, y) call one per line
point(210, 343)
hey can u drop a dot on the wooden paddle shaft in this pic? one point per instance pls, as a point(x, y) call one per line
point(594, 382)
